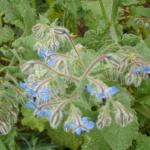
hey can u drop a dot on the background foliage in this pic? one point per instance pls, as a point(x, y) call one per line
point(126, 22)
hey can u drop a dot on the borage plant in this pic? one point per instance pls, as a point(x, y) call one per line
point(66, 88)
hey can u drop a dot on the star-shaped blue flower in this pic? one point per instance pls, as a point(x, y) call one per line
point(30, 90)
point(46, 55)
point(84, 125)
point(44, 93)
point(42, 53)
point(109, 92)
point(39, 112)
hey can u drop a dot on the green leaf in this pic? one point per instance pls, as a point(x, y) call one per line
point(94, 140)
point(143, 142)
point(20, 14)
point(33, 122)
point(9, 139)
point(129, 2)
point(145, 101)
point(2, 146)
point(130, 39)
point(140, 11)
point(26, 42)
point(65, 139)
point(9, 100)
point(143, 50)
point(6, 52)
point(7, 34)
point(120, 138)
point(108, 4)
point(143, 109)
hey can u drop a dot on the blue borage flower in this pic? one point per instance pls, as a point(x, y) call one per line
point(29, 90)
point(141, 69)
point(43, 93)
point(90, 89)
point(84, 125)
point(107, 93)
point(42, 53)
point(51, 62)
point(39, 112)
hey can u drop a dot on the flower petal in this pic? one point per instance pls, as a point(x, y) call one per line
point(84, 120)
point(42, 53)
point(78, 131)
point(51, 62)
point(44, 112)
point(23, 85)
point(45, 93)
point(90, 125)
point(112, 90)
point(90, 88)
point(30, 105)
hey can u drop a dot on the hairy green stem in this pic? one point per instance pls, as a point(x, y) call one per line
point(103, 9)
point(114, 20)
point(114, 12)
point(34, 4)
point(73, 45)
point(113, 33)
point(94, 63)
point(74, 78)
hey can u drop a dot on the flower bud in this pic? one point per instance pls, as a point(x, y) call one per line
point(4, 127)
point(38, 29)
point(61, 31)
point(104, 118)
point(56, 118)
point(137, 81)
point(123, 66)
point(27, 66)
point(122, 117)
point(129, 78)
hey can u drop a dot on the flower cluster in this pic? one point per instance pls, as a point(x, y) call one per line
point(122, 116)
point(36, 95)
point(136, 74)
point(135, 67)
point(46, 84)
